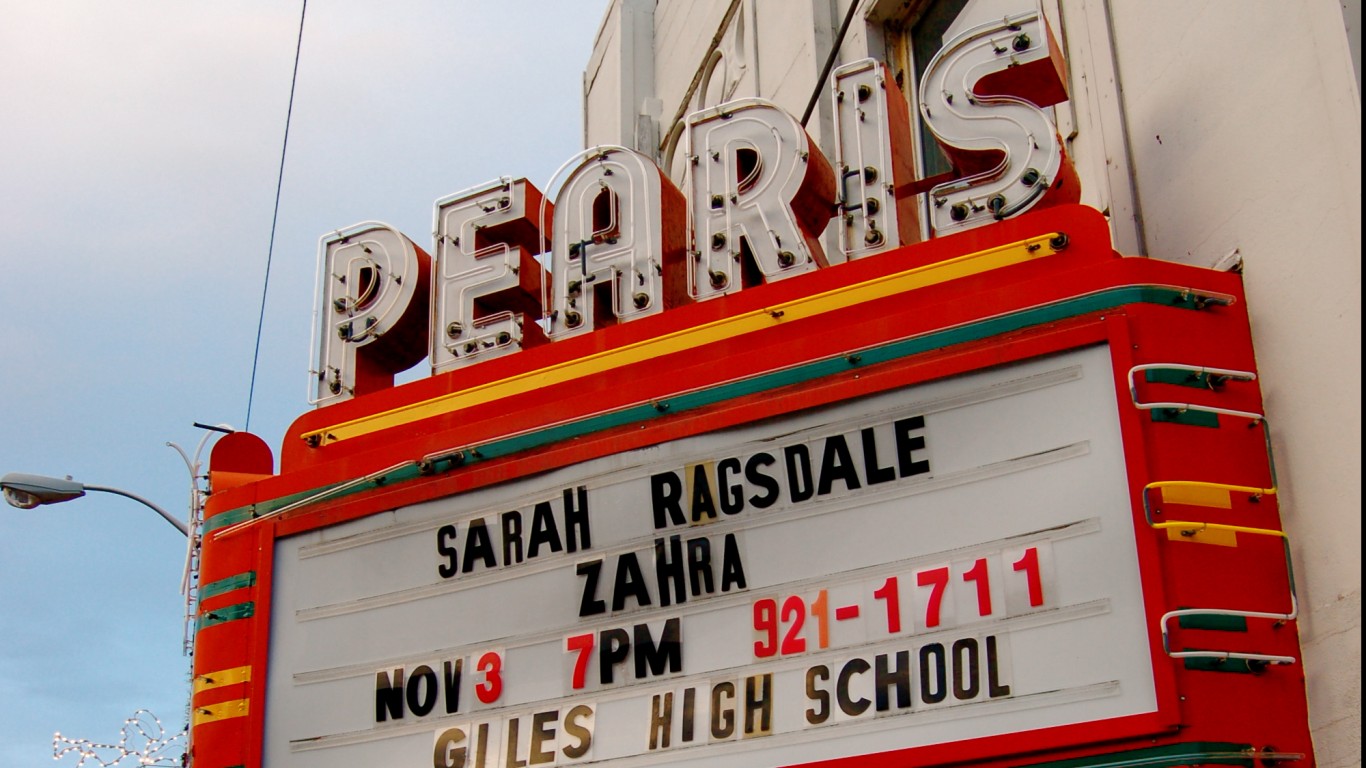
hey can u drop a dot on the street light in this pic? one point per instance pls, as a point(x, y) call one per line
point(29, 491)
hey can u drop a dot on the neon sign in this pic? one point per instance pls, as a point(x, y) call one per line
point(620, 241)
point(489, 284)
point(981, 97)
point(897, 511)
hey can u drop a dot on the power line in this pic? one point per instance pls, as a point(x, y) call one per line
point(275, 216)
point(829, 62)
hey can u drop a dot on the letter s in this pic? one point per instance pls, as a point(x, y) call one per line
point(982, 96)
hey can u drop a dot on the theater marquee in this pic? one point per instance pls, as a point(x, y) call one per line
point(824, 584)
point(684, 488)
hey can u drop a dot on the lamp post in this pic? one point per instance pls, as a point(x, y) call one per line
point(29, 491)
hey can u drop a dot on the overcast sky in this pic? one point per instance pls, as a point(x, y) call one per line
point(139, 147)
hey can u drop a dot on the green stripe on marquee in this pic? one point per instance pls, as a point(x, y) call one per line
point(1168, 756)
point(984, 329)
point(225, 614)
point(1179, 377)
point(1191, 417)
point(1213, 622)
point(223, 586)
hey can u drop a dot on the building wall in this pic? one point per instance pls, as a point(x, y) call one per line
point(1258, 157)
point(1218, 133)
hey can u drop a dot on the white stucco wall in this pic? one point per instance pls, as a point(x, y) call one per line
point(1210, 131)
point(1245, 128)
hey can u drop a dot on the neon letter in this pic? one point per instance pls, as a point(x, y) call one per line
point(618, 245)
point(981, 96)
point(374, 291)
point(873, 153)
point(488, 281)
point(756, 175)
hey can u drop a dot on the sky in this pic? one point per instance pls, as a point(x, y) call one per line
point(140, 143)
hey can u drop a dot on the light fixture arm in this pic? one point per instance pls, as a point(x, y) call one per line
point(180, 526)
point(28, 491)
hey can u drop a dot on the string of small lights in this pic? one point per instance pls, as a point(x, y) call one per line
point(143, 742)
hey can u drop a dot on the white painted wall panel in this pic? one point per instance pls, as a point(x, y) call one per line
point(1246, 134)
point(791, 61)
point(683, 31)
point(602, 83)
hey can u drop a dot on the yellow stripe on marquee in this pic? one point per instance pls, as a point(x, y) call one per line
point(1212, 533)
point(1200, 533)
point(1202, 494)
point(698, 336)
point(223, 710)
point(1199, 495)
point(211, 680)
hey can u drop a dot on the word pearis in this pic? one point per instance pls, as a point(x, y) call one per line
point(620, 241)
